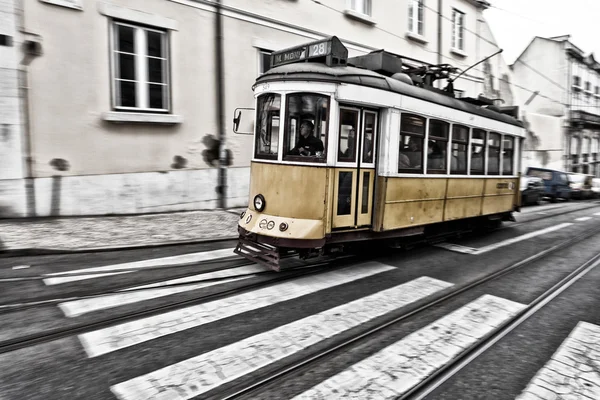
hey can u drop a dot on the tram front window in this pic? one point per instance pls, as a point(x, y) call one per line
point(267, 126)
point(306, 127)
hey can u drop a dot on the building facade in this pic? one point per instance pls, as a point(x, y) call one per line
point(559, 87)
point(117, 107)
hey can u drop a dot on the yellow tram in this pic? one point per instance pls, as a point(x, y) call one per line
point(357, 149)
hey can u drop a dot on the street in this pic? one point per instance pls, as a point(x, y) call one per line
point(196, 321)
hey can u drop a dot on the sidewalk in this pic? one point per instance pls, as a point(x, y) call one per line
point(45, 235)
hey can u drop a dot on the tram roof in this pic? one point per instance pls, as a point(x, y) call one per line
point(312, 71)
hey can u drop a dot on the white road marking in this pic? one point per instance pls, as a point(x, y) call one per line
point(597, 214)
point(457, 248)
point(79, 307)
point(131, 333)
point(197, 375)
point(583, 219)
point(21, 266)
point(572, 372)
point(396, 369)
point(542, 213)
point(154, 262)
point(507, 242)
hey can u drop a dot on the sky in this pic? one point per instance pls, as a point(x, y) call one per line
point(515, 23)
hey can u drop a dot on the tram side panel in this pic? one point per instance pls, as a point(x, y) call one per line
point(463, 199)
point(499, 195)
point(412, 202)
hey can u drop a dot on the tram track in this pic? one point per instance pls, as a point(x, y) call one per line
point(78, 328)
point(258, 384)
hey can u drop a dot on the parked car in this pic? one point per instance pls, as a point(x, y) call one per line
point(556, 183)
point(532, 190)
point(596, 187)
point(581, 186)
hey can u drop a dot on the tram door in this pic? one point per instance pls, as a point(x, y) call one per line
point(355, 168)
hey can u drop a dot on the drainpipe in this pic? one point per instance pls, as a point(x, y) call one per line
point(439, 38)
point(222, 186)
point(24, 90)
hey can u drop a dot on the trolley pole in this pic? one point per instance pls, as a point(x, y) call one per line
point(222, 185)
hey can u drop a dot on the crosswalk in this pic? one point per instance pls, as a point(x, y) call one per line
point(387, 373)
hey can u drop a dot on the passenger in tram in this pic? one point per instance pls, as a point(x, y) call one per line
point(307, 145)
point(349, 152)
point(435, 156)
point(411, 155)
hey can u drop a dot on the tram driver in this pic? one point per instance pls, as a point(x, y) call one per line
point(308, 145)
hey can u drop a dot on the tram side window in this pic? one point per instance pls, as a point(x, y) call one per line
point(267, 127)
point(437, 146)
point(306, 127)
point(460, 141)
point(478, 152)
point(507, 155)
point(494, 154)
point(347, 138)
point(412, 135)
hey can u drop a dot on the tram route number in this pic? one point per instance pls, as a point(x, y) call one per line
point(314, 50)
point(505, 185)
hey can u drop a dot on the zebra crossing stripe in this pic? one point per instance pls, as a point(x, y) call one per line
point(397, 368)
point(108, 270)
point(205, 372)
point(573, 371)
point(120, 336)
point(76, 308)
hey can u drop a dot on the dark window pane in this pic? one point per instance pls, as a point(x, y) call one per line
point(126, 66)
point(410, 158)
point(344, 193)
point(436, 156)
point(347, 139)
point(266, 61)
point(365, 192)
point(156, 96)
point(459, 159)
point(478, 152)
point(507, 160)
point(438, 129)
point(460, 133)
point(412, 124)
point(155, 44)
point(127, 94)
point(155, 70)
point(306, 126)
point(369, 136)
point(267, 125)
point(125, 39)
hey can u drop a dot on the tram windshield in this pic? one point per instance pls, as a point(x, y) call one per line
point(306, 127)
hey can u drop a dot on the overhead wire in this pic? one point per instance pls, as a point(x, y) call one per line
point(456, 62)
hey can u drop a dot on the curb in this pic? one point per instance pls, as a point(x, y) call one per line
point(48, 251)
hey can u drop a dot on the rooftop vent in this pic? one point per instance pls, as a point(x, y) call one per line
point(379, 61)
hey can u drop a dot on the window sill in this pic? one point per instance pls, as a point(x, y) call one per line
point(359, 16)
point(416, 37)
point(458, 52)
point(120, 117)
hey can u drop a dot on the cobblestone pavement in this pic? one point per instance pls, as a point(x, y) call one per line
point(117, 231)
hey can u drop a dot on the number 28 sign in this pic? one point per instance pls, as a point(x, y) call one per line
point(318, 49)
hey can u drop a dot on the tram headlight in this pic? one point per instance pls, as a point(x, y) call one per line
point(259, 202)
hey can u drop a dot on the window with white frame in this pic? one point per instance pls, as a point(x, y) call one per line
point(415, 16)
point(140, 59)
point(458, 30)
point(264, 60)
point(360, 6)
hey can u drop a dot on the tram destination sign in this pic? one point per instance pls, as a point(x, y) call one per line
point(330, 50)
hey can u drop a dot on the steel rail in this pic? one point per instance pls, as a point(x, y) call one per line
point(303, 364)
point(439, 377)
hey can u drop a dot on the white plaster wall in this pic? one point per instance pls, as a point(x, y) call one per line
point(11, 161)
point(137, 193)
